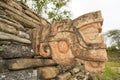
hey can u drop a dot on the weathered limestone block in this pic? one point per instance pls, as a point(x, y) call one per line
point(23, 15)
point(11, 10)
point(23, 35)
point(1, 11)
point(14, 4)
point(11, 22)
point(7, 28)
point(18, 64)
point(15, 50)
point(80, 76)
point(65, 76)
point(32, 14)
point(19, 75)
point(3, 67)
point(5, 37)
point(64, 68)
point(47, 72)
point(77, 68)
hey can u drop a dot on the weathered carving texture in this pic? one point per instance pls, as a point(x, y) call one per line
point(64, 50)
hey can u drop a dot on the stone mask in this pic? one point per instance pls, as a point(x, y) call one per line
point(70, 41)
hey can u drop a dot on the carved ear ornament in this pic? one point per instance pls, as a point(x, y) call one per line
point(45, 50)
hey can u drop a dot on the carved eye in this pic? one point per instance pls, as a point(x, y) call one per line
point(63, 46)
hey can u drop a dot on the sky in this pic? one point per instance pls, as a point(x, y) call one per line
point(110, 11)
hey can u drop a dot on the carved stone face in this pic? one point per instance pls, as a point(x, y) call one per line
point(92, 53)
point(93, 42)
point(90, 49)
point(67, 42)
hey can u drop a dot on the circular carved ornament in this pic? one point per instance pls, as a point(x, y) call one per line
point(63, 46)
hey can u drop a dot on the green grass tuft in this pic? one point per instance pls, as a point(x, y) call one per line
point(112, 64)
point(1, 48)
point(110, 74)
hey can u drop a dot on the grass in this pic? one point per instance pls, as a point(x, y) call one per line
point(114, 56)
point(112, 64)
point(109, 74)
point(112, 68)
point(1, 48)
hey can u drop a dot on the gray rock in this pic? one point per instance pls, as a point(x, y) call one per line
point(16, 50)
point(3, 67)
point(19, 75)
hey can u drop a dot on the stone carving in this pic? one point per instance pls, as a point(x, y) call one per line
point(92, 49)
point(68, 40)
point(32, 47)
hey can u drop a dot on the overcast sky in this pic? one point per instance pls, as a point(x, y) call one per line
point(110, 11)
